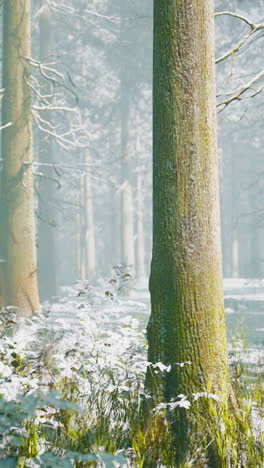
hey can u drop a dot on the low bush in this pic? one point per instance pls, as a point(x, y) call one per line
point(72, 394)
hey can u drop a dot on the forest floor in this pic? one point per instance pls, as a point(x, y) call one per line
point(95, 319)
point(90, 345)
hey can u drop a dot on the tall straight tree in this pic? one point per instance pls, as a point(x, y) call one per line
point(90, 250)
point(46, 224)
point(126, 114)
point(18, 253)
point(187, 323)
point(127, 221)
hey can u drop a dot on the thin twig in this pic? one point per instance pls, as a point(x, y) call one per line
point(40, 174)
point(237, 93)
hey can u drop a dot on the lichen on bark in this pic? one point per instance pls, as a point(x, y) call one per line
point(187, 322)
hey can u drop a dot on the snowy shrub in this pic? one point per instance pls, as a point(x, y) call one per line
point(72, 392)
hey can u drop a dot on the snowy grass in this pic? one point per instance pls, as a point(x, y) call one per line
point(72, 386)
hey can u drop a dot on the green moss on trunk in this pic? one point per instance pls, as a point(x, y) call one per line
point(187, 321)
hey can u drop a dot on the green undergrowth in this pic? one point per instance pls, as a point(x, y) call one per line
point(52, 429)
point(77, 401)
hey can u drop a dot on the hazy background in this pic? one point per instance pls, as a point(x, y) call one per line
point(93, 163)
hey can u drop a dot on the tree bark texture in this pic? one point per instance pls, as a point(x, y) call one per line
point(187, 323)
point(19, 274)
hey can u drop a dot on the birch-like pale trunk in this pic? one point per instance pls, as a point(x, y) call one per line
point(255, 224)
point(140, 229)
point(18, 252)
point(46, 222)
point(80, 232)
point(90, 258)
point(127, 214)
point(235, 255)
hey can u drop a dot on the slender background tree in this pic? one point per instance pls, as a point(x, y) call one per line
point(46, 186)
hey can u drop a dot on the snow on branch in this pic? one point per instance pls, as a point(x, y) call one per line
point(8, 124)
point(51, 74)
point(254, 27)
point(67, 139)
point(5, 126)
point(235, 15)
point(237, 93)
point(54, 94)
point(68, 10)
point(52, 179)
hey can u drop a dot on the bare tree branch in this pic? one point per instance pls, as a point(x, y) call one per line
point(5, 126)
point(68, 139)
point(52, 179)
point(235, 15)
point(70, 133)
point(88, 15)
point(237, 93)
point(67, 10)
point(55, 108)
point(48, 71)
point(254, 27)
point(8, 124)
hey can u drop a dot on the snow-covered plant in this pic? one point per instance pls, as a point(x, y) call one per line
point(122, 279)
point(72, 391)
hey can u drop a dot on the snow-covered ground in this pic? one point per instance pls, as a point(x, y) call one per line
point(245, 323)
point(95, 321)
point(96, 340)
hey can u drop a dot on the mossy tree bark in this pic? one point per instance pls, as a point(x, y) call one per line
point(18, 266)
point(187, 323)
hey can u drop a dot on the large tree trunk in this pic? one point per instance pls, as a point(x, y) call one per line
point(187, 322)
point(46, 224)
point(19, 274)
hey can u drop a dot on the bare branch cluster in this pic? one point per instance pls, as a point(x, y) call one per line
point(90, 15)
point(52, 91)
point(254, 27)
point(68, 10)
point(236, 95)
